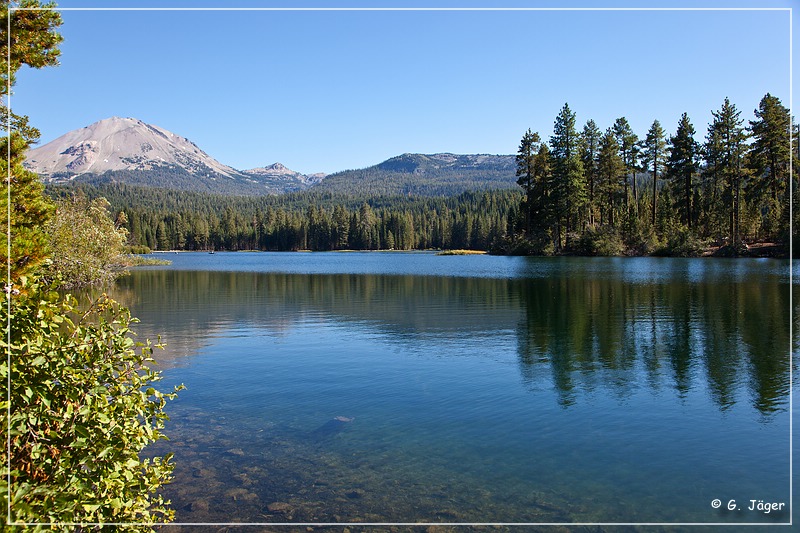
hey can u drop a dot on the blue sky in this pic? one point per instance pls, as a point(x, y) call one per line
point(322, 91)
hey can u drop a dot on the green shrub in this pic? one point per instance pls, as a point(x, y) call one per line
point(86, 247)
point(641, 242)
point(537, 243)
point(137, 249)
point(82, 408)
point(681, 242)
point(602, 241)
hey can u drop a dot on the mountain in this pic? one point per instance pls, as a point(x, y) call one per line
point(442, 174)
point(283, 178)
point(130, 151)
point(121, 144)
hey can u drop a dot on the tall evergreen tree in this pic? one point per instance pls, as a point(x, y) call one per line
point(33, 41)
point(541, 208)
point(769, 161)
point(794, 179)
point(341, 221)
point(365, 236)
point(654, 157)
point(682, 166)
point(590, 146)
point(628, 143)
point(528, 148)
point(568, 189)
point(711, 211)
point(732, 137)
point(611, 172)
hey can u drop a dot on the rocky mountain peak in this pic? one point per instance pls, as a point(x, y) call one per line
point(273, 170)
point(117, 143)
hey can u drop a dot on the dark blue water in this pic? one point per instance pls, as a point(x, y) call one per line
point(471, 389)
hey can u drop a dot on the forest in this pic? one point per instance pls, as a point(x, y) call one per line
point(585, 192)
point(611, 192)
point(162, 219)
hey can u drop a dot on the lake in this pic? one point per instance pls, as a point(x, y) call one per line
point(410, 387)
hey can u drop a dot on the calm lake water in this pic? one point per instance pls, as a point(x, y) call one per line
point(471, 388)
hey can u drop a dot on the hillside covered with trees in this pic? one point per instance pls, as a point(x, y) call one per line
point(424, 175)
point(162, 219)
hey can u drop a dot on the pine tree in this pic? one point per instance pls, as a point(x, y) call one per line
point(33, 41)
point(162, 240)
point(654, 157)
point(541, 208)
point(769, 160)
point(682, 166)
point(732, 137)
point(365, 236)
point(711, 212)
point(590, 146)
point(610, 170)
point(628, 143)
point(341, 222)
point(528, 147)
point(794, 221)
point(568, 190)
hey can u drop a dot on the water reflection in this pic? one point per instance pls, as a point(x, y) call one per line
point(576, 330)
point(706, 333)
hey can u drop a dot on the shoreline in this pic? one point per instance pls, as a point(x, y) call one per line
point(755, 251)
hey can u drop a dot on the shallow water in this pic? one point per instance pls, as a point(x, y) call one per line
point(481, 389)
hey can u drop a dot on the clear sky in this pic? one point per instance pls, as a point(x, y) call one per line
point(321, 91)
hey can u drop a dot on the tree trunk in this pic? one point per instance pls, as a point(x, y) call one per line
point(655, 181)
point(688, 186)
point(626, 192)
point(611, 209)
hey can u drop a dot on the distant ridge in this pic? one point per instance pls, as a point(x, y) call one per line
point(442, 174)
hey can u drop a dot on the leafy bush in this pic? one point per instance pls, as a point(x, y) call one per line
point(602, 241)
point(537, 244)
point(641, 242)
point(138, 249)
point(82, 409)
point(86, 246)
point(682, 243)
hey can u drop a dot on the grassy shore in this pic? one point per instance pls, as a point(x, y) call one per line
point(461, 252)
point(134, 260)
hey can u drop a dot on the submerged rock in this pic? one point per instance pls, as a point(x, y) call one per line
point(279, 507)
point(202, 473)
point(241, 494)
point(198, 506)
point(332, 427)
